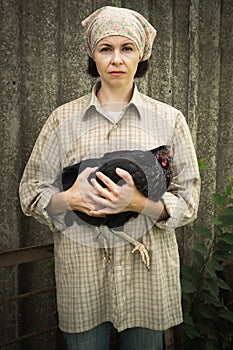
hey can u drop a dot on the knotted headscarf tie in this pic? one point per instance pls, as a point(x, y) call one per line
point(109, 20)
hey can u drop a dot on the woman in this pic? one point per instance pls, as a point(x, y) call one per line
point(94, 294)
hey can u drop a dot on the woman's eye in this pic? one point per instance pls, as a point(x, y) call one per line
point(105, 49)
point(127, 48)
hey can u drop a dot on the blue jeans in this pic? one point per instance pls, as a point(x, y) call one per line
point(98, 338)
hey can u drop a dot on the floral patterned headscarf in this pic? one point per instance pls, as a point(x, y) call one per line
point(110, 20)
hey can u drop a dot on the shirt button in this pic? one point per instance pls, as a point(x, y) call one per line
point(119, 268)
point(114, 126)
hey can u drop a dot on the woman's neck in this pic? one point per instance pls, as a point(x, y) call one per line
point(114, 98)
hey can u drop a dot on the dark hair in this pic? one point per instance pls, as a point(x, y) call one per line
point(141, 70)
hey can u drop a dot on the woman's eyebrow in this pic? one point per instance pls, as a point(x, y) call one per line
point(105, 44)
point(125, 44)
point(128, 43)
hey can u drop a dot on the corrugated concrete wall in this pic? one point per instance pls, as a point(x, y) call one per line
point(43, 64)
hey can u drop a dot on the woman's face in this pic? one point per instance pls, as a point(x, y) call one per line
point(116, 59)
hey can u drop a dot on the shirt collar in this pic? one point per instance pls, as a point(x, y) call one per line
point(135, 101)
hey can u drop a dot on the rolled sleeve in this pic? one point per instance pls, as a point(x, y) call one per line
point(38, 207)
point(182, 198)
point(40, 178)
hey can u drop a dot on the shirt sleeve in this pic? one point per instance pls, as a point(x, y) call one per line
point(182, 198)
point(40, 179)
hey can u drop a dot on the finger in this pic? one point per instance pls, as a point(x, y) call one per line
point(100, 201)
point(125, 176)
point(108, 182)
point(100, 213)
point(103, 191)
point(96, 213)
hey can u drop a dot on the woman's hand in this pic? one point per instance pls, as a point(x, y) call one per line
point(76, 198)
point(114, 198)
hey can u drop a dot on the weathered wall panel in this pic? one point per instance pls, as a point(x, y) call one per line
point(39, 96)
point(9, 160)
point(39, 85)
point(225, 122)
point(73, 80)
point(208, 98)
point(10, 124)
point(180, 56)
point(161, 77)
point(43, 60)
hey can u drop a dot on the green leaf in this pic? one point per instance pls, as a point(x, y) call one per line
point(222, 284)
point(211, 270)
point(218, 199)
point(203, 231)
point(226, 238)
point(228, 211)
point(189, 273)
point(222, 246)
point(226, 314)
point(220, 255)
point(227, 190)
point(201, 248)
point(210, 345)
point(187, 286)
point(197, 258)
point(215, 301)
point(229, 179)
point(227, 220)
point(212, 287)
point(191, 331)
point(215, 220)
point(186, 297)
point(215, 265)
point(206, 310)
point(188, 319)
point(202, 164)
point(206, 329)
point(219, 229)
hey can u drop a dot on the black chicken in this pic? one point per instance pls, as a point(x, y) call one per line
point(151, 172)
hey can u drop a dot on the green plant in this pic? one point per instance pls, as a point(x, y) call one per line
point(208, 316)
point(202, 165)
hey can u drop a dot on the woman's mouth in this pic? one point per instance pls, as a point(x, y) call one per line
point(116, 73)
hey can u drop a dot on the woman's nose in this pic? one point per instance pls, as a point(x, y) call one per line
point(116, 58)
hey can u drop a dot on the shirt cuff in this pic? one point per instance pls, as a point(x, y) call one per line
point(53, 221)
point(175, 208)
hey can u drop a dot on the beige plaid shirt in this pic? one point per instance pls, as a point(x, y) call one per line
point(91, 290)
